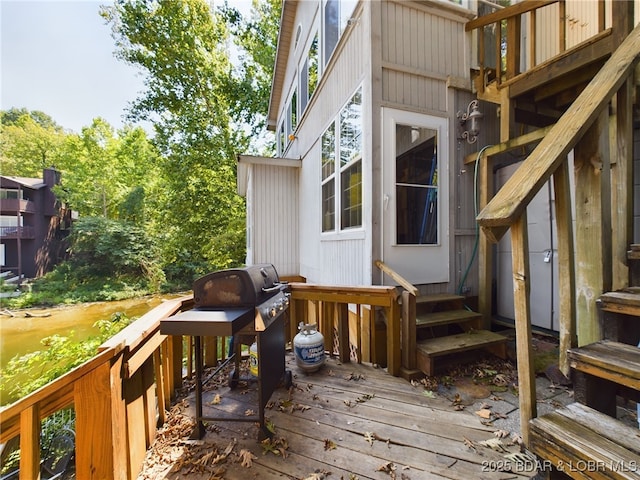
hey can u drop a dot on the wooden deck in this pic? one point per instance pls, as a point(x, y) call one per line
point(345, 421)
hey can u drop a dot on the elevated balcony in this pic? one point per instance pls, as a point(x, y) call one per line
point(25, 233)
point(15, 205)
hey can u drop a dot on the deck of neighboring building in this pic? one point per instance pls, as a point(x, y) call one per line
point(352, 421)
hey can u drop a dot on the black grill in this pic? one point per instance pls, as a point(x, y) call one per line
point(244, 303)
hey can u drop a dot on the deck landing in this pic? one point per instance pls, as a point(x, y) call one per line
point(345, 421)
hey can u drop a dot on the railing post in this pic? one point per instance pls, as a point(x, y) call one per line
point(30, 443)
point(101, 440)
point(408, 330)
point(521, 300)
point(393, 338)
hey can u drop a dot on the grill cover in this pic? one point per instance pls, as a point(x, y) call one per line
point(236, 287)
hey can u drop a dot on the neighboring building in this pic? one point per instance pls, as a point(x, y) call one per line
point(33, 225)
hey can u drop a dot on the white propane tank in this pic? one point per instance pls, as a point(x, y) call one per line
point(253, 359)
point(308, 346)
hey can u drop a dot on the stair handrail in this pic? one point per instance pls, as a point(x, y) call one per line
point(507, 209)
point(509, 203)
point(399, 279)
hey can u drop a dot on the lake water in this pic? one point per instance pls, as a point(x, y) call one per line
point(20, 335)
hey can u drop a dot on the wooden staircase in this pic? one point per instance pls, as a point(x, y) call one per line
point(444, 327)
point(586, 439)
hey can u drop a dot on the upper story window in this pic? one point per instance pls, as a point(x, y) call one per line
point(309, 74)
point(336, 15)
point(341, 167)
point(11, 193)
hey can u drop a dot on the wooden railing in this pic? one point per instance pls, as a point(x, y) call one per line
point(346, 316)
point(499, 39)
point(121, 395)
point(580, 128)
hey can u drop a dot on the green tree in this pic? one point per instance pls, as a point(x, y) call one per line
point(191, 93)
point(103, 171)
point(29, 142)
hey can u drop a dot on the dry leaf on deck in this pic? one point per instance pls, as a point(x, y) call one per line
point(501, 433)
point(247, 458)
point(329, 444)
point(369, 437)
point(484, 413)
point(495, 444)
point(216, 400)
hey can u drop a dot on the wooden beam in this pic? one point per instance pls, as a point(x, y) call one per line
point(512, 199)
point(591, 254)
point(509, 145)
point(566, 263)
point(595, 48)
point(521, 301)
point(485, 248)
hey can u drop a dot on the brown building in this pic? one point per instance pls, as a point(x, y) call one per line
point(33, 225)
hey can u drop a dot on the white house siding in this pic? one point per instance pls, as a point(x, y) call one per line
point(341, 259)
point(272, 235)
point(424, 47)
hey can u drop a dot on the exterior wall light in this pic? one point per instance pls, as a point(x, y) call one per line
point(471, 119)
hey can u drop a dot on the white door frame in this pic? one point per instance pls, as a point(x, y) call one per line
point(419, 264)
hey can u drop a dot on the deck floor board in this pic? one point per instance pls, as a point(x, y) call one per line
point(325, 419)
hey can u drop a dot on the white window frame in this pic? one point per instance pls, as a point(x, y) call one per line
point(339, 169)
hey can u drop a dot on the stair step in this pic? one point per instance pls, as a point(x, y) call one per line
point(585, 443)
point(428, 350)
point(614, 361)
point(438, 298)
point(626, 302)
point(445, 318)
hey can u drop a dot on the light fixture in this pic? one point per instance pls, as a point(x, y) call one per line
point(472, 116)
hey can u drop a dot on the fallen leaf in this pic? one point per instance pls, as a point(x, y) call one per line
point(216, 399)
point(501, 433)
point(429, 394)
point(329, 444)
point(246, 458)
point(369, 437)
point(484, 413)
point(495, 444)
point(248, 412)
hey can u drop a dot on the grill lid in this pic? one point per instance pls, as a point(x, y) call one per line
point(236, 287)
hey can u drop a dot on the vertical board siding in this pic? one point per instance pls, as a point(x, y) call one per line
point(275, 217)
point(324, 259)
point(420, 50)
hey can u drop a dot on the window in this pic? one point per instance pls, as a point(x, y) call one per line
point(328, 179)
point(11, 193)
point(336, 15)
point(416, 185)
point(343, 140)
point(309, 75)
point(281, 139)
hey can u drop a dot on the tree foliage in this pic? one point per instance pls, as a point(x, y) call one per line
point(29, 142)
point(198, 102)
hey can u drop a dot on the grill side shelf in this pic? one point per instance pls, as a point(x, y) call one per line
point(211, 323)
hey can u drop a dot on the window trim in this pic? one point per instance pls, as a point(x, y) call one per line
point(339, 169)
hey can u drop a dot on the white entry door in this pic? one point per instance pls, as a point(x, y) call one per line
point(415, 196)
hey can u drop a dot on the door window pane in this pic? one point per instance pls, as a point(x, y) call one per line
point(416, 185)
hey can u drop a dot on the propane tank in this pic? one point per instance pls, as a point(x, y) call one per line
point(253, 359)
point(308, 346)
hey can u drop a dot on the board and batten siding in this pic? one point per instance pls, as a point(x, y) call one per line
point(335, 258)
point(421, 48)
point(273, 218)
